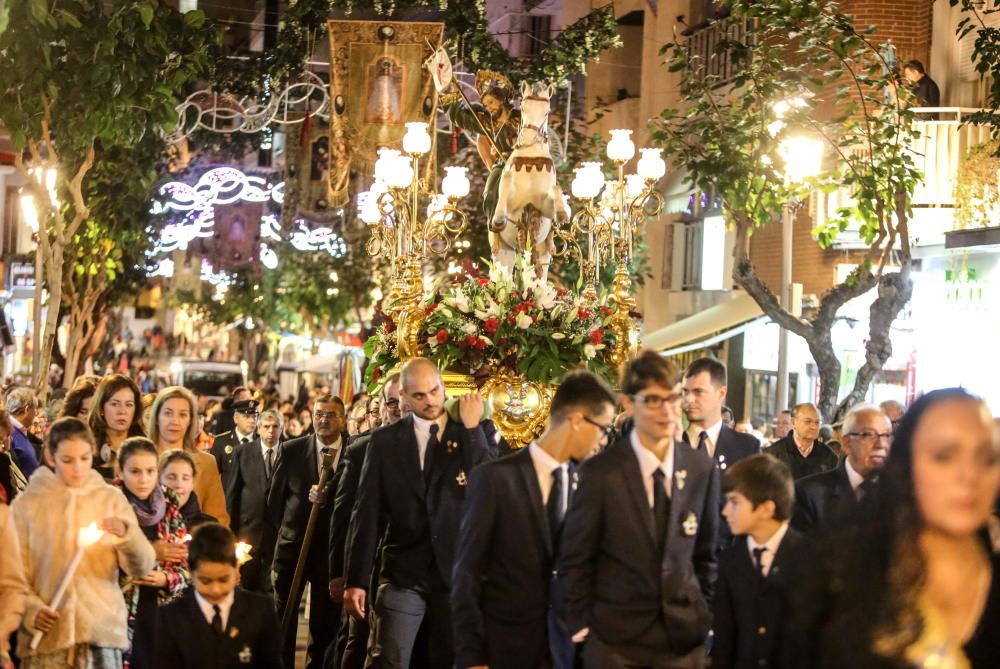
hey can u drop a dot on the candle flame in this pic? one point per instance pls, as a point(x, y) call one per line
point(89, 535)
point(243, 553)
point(187, 538)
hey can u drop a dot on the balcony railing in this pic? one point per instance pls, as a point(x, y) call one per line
point(942, 137)
point(703, 42)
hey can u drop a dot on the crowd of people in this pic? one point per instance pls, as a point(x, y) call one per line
point(640, 529)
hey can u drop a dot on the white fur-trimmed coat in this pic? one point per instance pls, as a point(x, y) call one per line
point(13, 588)
point(47, 516)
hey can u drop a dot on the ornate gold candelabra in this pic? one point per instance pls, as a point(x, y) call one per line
point(392, 209)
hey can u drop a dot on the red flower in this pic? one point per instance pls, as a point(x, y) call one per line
point(596, 336)
point(376, 374)
point(582, 313)
point(470, 340)
point(491, 325)
point(442, 336)
point(510, 319)
point(482, 281)
point(561, 292)
point(478, 344)
point(606, 310)
point(502, 342)
point(430, 308)
point(390, 325)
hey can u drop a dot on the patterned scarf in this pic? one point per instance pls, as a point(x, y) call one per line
point(149, 511)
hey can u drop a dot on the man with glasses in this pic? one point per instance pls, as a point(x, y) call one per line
point(293, 492)
point(504, 598)
point(638, 553)
point(802, 450)
point(352, 643)
point(826, 500)
point(414, 479)
point(228, 444)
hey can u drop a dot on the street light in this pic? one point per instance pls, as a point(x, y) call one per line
point(803, 160)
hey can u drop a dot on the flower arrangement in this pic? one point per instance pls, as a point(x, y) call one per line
point(480, 324)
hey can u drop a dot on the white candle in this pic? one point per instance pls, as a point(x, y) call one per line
point(87, 536)
point(243, 553)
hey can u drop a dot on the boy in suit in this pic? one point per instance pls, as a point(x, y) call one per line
point(638, 549)
point(750, 601)
point(504, 599)
point(217, 625)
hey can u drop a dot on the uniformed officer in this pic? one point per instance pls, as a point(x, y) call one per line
point(228, 443)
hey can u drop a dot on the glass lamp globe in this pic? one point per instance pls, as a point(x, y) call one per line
point(400, 172)
point(384, 164)
point(416, 141)
point(621, 147)
point(634, 186)
point(651, 165)
point(455, 184)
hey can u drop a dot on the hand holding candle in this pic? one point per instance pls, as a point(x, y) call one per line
point(86, 537)
point(243, 553)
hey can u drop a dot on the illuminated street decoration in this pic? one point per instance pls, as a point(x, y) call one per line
point(318, 239)
point(219, 186)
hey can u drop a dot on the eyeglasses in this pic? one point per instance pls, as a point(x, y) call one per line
point(319, 415)
point(391, 403)
point(606, 429)
point(656, 401)
point(871, 436)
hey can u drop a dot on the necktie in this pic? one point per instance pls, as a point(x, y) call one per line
point(758, 560)
point(244, 441)
point(217, 619)
point(554, 507)
point(661, 509)
point(430, 452)
point(703, 442)
point(866, 488)
point(269, 463)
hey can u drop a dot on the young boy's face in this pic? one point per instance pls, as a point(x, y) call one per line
point(741, 515)
point(214, 580)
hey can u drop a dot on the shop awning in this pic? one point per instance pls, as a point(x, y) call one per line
point(705, 328)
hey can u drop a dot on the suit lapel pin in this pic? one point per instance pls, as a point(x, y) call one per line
point(681, 477)
point(229, 449)
point(576, 480)
point(245, 655)
point(461, 479)
point(452, 446)
point(234, 632)
point(690, 524)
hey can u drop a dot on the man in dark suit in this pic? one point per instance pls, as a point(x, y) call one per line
point(21, 409)
point(834, 496)
point(751, 596)
point(246, 501)
point(638, 553)
point(293, 492)
point(228, 444)
point(216, 625)
point(503, 592)
point(705, 388)
point(352, 644)
point(802, 450)
point(414, 477)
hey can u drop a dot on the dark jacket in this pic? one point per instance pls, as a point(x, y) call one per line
point(822, 499)
point(224, 449)
point(751, 611)
point(616, 583)
point(343, 503)
point(185, 639)
point(422, 519)
point(821, 457)
point(250, 519)
point(503, 568)
point(25, 456)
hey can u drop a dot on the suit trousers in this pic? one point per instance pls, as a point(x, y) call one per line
point(324, 615)
point(397, 619)
point(600, 655)
point(352, 643)
point(562, 650)
point(255, 575)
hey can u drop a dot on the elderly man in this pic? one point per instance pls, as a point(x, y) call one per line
point(246, 498)
point(831, 497)
point(894, 410)
point(782, 425)
point(21, 407)
point(801, 450)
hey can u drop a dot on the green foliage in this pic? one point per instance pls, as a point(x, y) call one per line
point(985, 54)
point(727, 138)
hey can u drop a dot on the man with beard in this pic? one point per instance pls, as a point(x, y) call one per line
point(414, 480)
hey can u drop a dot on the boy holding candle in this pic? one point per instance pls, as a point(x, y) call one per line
point(217, 625)
point(88, 630)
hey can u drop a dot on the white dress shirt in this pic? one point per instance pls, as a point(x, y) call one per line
point(649, 464)
point(319, 453)
point(853, 476)
point(770, 548)
point(422, 429)
point(694, 434)
point(240, 437)
point(544, 466)
point(225, 606)
point(265, 449)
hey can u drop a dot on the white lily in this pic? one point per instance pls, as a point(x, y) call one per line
point(524, 321)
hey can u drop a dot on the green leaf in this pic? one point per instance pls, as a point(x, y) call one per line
point(146, 15)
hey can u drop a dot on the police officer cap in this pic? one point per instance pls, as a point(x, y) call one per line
point(245, 406)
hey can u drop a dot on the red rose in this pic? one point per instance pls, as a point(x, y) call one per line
point(479, 344)
point(470, 340)
point(583, 314)
point(596, 336)
point(442, 336)
point(511, 319)
point(482, 281)
point(491, 325)
point(561, 292)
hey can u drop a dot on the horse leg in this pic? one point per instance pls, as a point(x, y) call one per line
point(503, 253)
point(499, 220)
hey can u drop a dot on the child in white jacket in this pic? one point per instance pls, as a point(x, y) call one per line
point(88, 630)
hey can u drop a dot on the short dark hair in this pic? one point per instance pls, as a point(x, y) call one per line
point(134, 446)
point(914, 65)
point(177, 455)
point(716, 370)
point(68, 427)
point(760, 478)
point(645, 368)
point(212, 542)
point(581, 390)
point(330, 399)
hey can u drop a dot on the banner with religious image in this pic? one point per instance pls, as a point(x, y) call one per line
point(377, 84)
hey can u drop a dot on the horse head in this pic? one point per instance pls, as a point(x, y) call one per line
point(535, 99)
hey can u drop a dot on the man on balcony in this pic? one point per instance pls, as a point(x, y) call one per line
point(925, 91)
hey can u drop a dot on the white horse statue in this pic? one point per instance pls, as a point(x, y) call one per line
point(528, 196)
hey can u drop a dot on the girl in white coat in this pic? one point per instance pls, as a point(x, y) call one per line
point(88, 630)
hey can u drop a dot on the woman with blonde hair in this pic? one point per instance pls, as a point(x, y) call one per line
point(173, 423)
point(115, 416)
